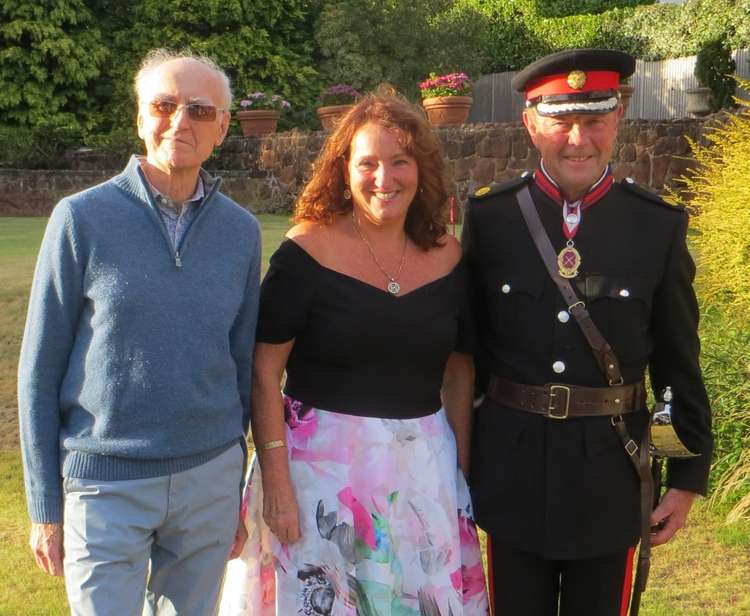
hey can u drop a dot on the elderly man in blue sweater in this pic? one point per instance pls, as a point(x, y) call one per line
point(134, 376)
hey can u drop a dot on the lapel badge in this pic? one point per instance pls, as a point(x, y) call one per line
point(576, 79)
point(480, 192)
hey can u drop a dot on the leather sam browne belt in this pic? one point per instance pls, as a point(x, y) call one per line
point(558, 401)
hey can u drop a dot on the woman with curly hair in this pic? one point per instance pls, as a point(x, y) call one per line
point(355, 503)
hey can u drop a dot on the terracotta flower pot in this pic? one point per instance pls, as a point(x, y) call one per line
point(447, 110)
point(258, 122)
point(330, 114)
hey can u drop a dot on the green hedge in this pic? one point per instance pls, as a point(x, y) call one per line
point(520, 31)
point(567, 8)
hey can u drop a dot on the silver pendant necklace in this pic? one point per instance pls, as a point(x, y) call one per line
point(393, 287)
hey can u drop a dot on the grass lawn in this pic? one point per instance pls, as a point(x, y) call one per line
point(704, 572)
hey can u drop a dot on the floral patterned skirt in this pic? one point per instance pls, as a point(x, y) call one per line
point(386, 524)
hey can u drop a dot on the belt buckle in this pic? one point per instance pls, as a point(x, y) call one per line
point(552, 407)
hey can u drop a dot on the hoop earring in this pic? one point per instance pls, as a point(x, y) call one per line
point(347, 194)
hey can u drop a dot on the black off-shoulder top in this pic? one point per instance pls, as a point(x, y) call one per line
point(358, 349)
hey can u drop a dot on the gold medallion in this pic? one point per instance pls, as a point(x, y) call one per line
point(576, 79)
point(568, 262)
point(482, 191)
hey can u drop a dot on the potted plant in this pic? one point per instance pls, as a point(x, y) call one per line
point(335, 101)
point(713, 68)
point(259, 113)
point(446, 98)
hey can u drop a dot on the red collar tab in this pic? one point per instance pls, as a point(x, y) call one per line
point(549, 187)
point(573, 82)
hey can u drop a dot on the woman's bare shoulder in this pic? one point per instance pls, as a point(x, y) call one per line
point(306, 233)
point(315, 238)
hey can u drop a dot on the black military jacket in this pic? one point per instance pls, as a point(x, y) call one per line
point(565, 488)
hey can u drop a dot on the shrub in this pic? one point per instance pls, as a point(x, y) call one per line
point(564, 8)
point(40, 147)
point(718, 192)
point(266, 46)
point(714, 67)
point(51, 53)
point(367, 42)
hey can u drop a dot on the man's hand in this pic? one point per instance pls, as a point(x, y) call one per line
point(239, 539)
point(672, 512)
point(46, 543)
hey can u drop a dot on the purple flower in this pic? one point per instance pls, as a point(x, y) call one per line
point(452, 84)
point(339, 94)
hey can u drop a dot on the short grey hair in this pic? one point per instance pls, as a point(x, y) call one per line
point(156, 57)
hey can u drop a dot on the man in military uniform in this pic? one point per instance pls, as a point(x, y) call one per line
point(554, 473)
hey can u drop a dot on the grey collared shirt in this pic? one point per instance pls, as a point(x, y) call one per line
point(177, 223)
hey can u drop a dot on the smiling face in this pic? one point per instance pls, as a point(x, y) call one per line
point(382, 176)
point(575, 148)
point(179, 142)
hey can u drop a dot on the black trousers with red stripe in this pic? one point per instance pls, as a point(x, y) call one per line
point(523, 584)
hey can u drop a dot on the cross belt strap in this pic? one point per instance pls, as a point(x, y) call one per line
point(603, 352)
point(559, 401)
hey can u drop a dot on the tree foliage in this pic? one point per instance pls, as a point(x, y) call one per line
point(520, 31)
point(261, 45)
point(51, 51)
point(366, 42)
point(714, 67)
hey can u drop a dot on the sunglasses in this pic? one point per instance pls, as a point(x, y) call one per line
point(195, 111)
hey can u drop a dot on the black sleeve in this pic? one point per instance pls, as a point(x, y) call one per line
point(285, 295)
point(674, 362)
point(475, 299)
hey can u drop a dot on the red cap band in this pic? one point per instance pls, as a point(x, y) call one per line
point(551, 85)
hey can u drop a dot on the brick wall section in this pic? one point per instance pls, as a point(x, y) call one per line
point(265, 174)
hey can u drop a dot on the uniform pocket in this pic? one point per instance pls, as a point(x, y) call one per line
point(621, 307)
point(511, 295)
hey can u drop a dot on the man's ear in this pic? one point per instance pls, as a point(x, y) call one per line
point(139, 122)
point(530, 122)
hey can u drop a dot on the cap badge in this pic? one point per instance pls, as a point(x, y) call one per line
point(576, 79)
point(482, 191)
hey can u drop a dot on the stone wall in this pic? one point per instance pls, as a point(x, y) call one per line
point(266, 174)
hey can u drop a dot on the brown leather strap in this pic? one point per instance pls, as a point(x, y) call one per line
point(558, 401)
point(603, 352)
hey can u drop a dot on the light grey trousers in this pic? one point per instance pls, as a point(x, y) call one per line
point(151, 546)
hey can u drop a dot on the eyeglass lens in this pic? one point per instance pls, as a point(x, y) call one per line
point(195, 111)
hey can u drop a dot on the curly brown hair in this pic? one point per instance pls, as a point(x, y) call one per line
point(322, 199)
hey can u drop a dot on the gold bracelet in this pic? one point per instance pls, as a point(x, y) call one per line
point(273, 445)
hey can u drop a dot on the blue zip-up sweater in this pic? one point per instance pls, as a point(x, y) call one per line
point(136, 356)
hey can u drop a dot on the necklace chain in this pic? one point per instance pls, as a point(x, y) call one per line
point(393, 287)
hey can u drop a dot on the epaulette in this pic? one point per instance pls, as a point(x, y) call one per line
point(494, 189)
point(632, 186)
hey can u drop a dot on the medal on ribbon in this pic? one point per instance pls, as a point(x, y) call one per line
point(568, 261)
